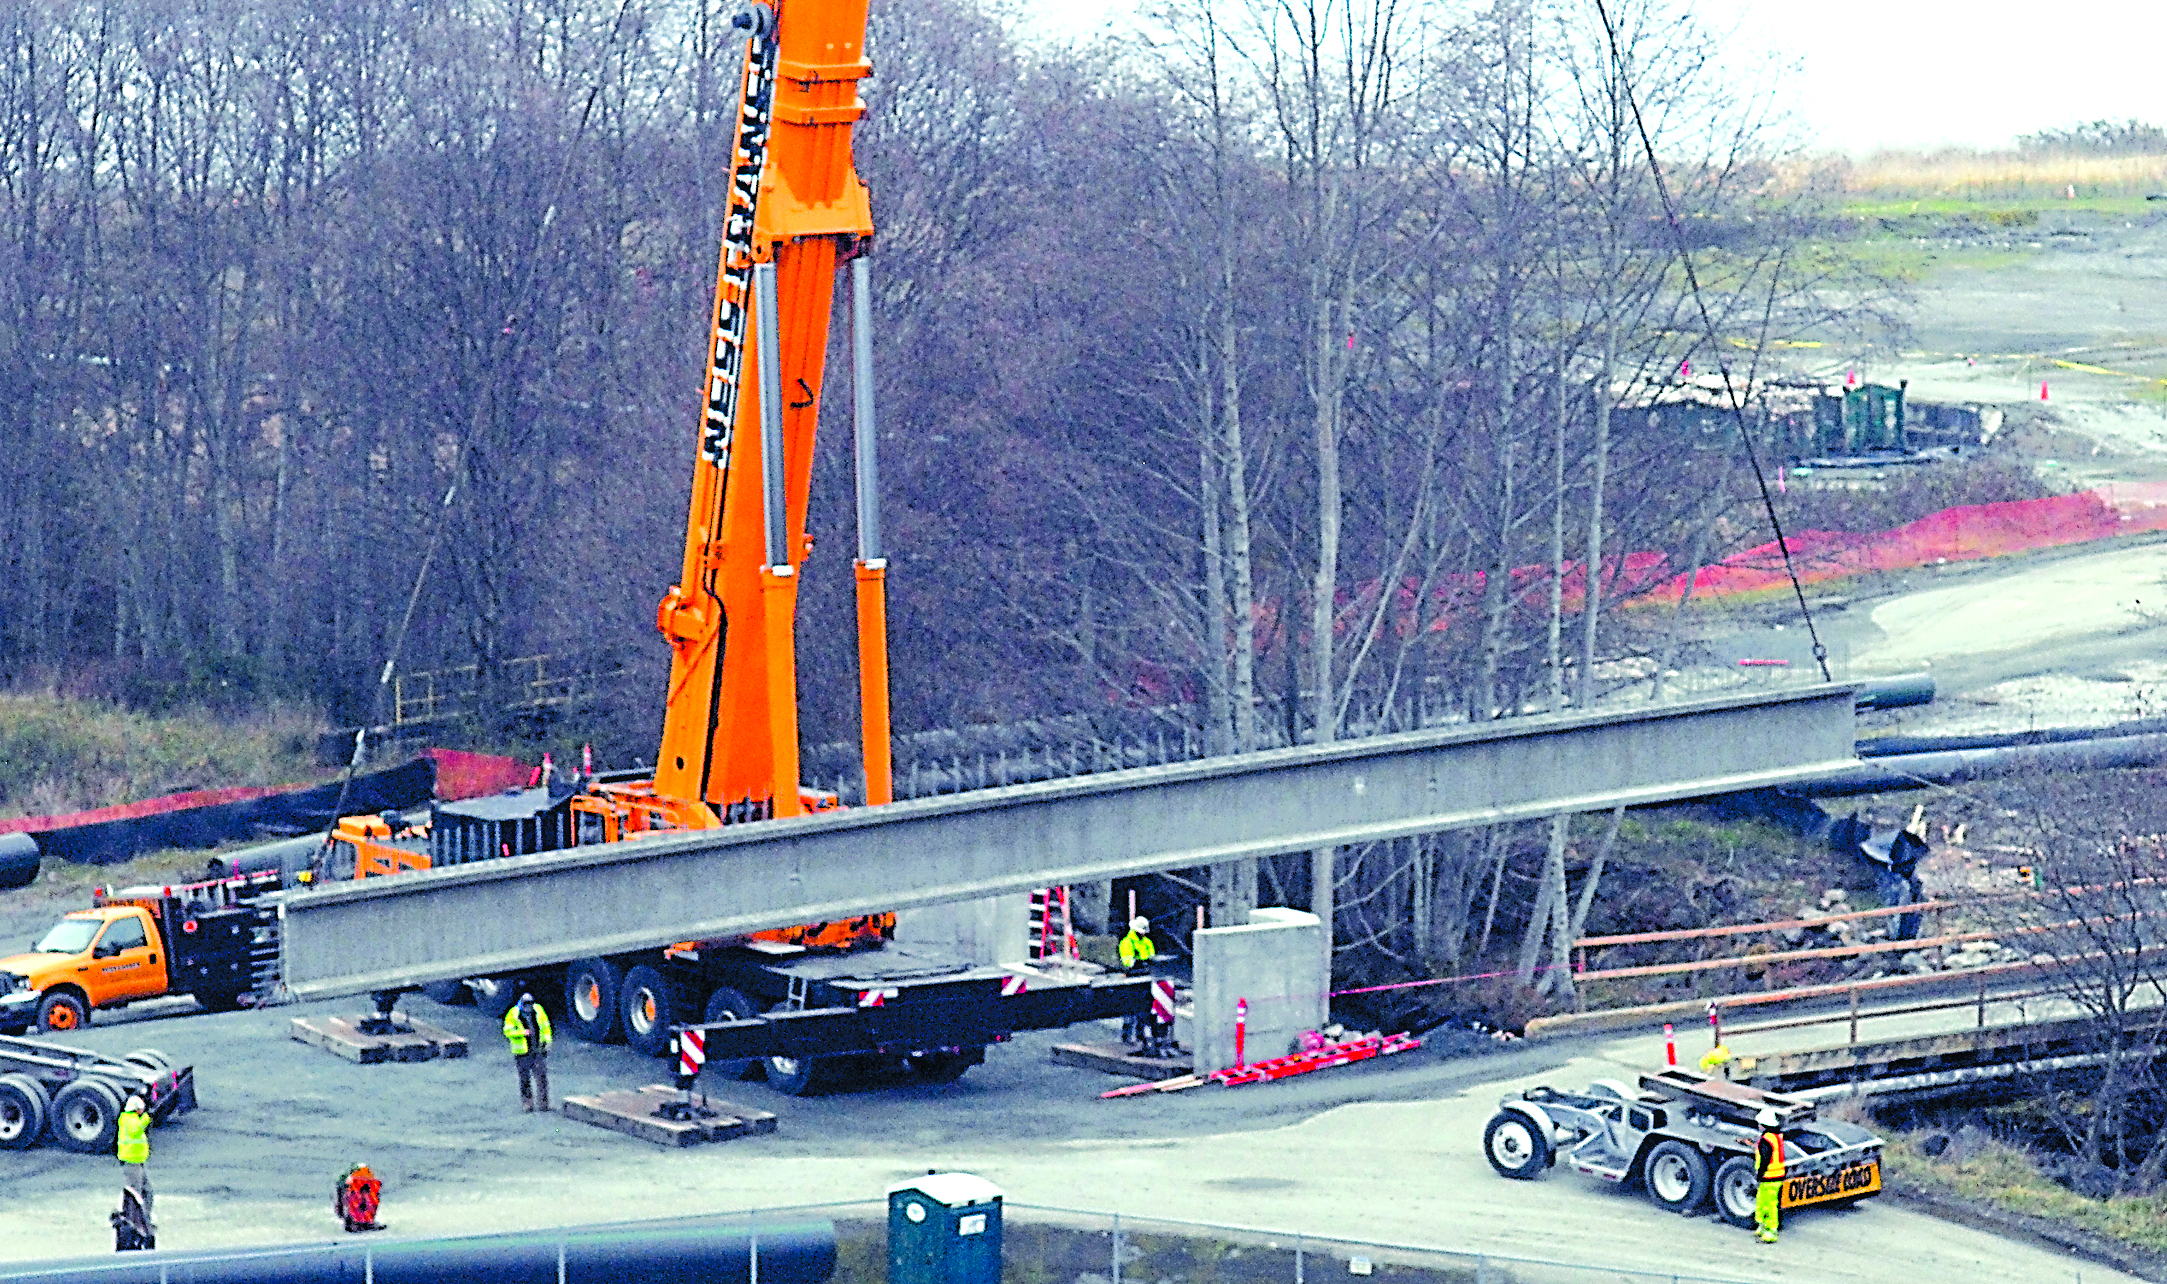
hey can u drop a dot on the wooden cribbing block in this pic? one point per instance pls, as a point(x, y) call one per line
point(415, 1040)
point(633, 1113)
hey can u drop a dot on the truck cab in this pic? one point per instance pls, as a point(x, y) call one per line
point(204, 939)
point(96, 958)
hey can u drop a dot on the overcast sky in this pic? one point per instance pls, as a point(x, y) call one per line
point(1917, 73)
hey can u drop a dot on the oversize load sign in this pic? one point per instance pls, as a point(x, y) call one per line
point(1848, 1182)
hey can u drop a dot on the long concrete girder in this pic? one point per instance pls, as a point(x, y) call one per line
point(499, 916)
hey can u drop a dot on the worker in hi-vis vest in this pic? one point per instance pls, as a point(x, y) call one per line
point(133, 1148)
point(1137, 951)
point(526, 1028)
point(1768, 1166)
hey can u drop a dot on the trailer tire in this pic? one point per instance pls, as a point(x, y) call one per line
point(1516, 1146)
point(1735, 1189)
point(647, 1007)
point(494, 995)
point(1676, 1176)
point(86, 1117)
point(726, 1004)
point(591, 987)
point(62, 1010)
point(794, 1076)
point(24, 1107)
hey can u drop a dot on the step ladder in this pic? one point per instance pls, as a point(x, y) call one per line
point(1052, 930)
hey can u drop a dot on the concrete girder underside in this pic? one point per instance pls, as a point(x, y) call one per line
point(499, 916)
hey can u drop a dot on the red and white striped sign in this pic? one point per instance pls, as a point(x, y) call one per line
point(691, 1052)
point(1162, 1001)
point(1012, 985)
point(875, 998)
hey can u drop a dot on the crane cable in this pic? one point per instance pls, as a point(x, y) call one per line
point(1708, 326)
point(460, 449)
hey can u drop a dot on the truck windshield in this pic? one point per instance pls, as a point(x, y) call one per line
point(69, 936)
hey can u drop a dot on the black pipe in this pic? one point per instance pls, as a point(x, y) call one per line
point(1912, 771)
point(18, 861)
point(1889, 746)
point(1898, 692)
point(703, 1251)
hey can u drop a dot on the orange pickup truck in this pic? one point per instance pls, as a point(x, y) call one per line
point(141, 943)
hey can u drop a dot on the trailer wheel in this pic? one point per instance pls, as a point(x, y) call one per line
point(726, 1004)
point(591, 987)
point(1676, 1176)
point(1735, 1190)
point(1516, 1146)
point(24, 1106)
point(86, 1117)
point(61, 1010)
point(648, 1007)
point(794, 1076)
point(495, 995)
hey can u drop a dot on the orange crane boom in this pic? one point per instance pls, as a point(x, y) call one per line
point(797, 211)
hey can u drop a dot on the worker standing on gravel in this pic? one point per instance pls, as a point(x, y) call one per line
point(526, 1028)
point(1768, 1166)
point(1136, 951)
point(133, 1148)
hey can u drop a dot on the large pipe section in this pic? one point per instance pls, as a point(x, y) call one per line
point(18, 861)
point(1890, 773)
point(697, 1252)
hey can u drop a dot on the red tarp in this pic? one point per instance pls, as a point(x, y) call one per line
point(1961, 534)
point(460, 774)
point(148, 807)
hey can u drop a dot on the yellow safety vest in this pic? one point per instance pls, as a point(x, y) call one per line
point(516, 1029)
point(1771, 1156)
point(1137, 948)
point(134, 1145)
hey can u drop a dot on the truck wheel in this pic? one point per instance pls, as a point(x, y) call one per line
point(1735, 1190)
point(726, 1004)
point(86, 1117)
point(23, 1110)
point(1676, 1176)
point(648, 1007)
point(61, 1010)
point(591, 987)
point(1516, 1146)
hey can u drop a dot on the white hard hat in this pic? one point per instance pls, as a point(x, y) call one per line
point(135, 1103)
point(1139, 924)
point(1766, 1119)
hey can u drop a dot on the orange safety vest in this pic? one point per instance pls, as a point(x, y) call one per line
point(1768, 1156)
point(364, 1195)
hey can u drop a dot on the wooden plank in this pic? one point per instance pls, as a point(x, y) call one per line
point(1115, 1058)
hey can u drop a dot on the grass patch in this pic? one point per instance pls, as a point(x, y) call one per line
point(1972, 177)
point(60, 754)
point(2003, 1176)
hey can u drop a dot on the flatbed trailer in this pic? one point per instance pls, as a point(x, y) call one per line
point(1687, 1138)
point(75, 1096)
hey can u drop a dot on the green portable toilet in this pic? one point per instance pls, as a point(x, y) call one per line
point(944, 1228)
